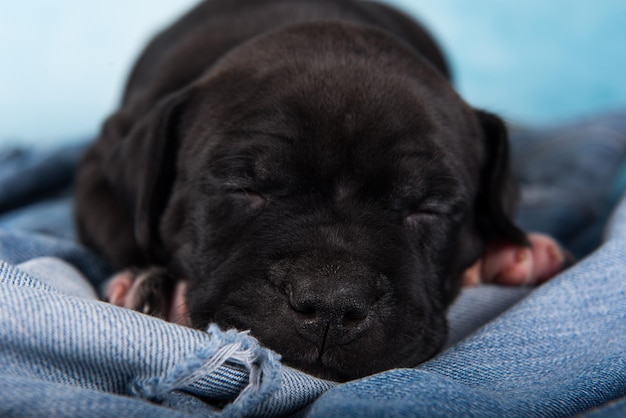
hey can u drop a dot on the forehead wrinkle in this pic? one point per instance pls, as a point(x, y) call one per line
point(422, 168)
point(244, 157)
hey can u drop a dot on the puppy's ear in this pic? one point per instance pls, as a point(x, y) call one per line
point(143, 166)
point(498, 193)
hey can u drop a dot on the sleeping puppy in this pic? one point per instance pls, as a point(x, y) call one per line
point(303, 169)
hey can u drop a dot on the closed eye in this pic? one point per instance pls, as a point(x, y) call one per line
point(429, 209)
point(412, 219)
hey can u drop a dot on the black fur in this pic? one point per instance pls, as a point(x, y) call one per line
point(307, 166)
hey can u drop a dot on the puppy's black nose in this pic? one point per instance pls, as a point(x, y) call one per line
point(330, 315)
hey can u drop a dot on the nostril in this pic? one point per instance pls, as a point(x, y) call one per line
point(356, 314)
point(304, 308)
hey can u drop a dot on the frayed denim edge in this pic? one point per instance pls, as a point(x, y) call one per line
point(234, 347)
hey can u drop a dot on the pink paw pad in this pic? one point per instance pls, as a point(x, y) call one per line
point(517, 266)
point(118, 287)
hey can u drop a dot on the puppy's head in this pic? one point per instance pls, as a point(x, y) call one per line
point(324, 187)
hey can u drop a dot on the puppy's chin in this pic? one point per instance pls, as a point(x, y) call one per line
point(342, 365)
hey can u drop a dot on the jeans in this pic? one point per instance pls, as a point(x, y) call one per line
point(559, 351)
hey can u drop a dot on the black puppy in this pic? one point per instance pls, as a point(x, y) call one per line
point(308, 171)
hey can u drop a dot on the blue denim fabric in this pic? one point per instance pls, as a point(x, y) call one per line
point(560, 351)
point(65, 344)
point(36, 211)
point(571, 177)
point(28, 175)
point(613, 409)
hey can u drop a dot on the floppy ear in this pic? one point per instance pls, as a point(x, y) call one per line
point(497, 195)
point(143, 166)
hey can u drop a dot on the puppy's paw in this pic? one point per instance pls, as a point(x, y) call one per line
point(151, 291)
point(516, 265)
point(116, 289)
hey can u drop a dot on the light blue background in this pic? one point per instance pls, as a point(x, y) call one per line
point(63, 62)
